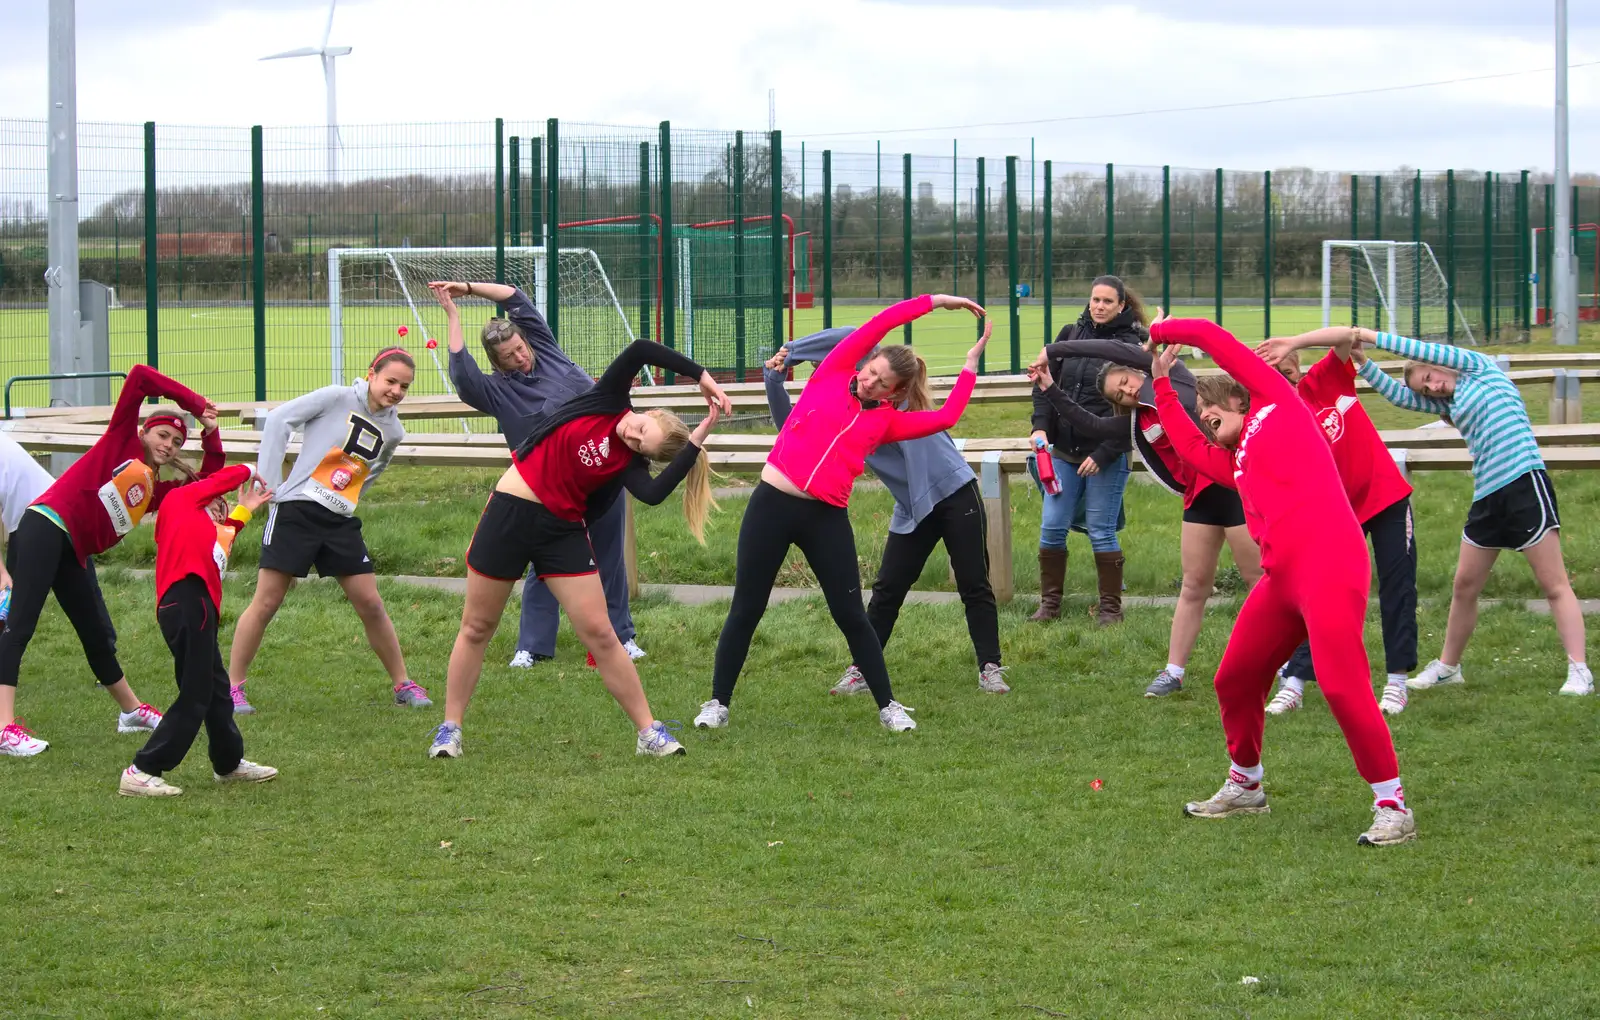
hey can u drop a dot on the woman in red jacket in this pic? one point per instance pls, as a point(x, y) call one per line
point(194, 535)
point(98, 500)
point(860, 397)
point(1316, 581)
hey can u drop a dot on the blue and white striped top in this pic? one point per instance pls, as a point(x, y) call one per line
point(1486, 407)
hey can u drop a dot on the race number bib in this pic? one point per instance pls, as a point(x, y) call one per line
point(224, 547)
point(336, 483)
point(128, 494)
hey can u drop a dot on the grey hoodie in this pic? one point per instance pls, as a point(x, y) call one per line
point(344, 447)
point(919, 473)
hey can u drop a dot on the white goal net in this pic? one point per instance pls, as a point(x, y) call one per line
point(374, 291)
point(1390, 286)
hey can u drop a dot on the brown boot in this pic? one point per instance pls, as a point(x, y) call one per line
point(1052, 577)
point(1109, 566)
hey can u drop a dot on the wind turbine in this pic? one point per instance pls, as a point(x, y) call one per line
point(327, 53)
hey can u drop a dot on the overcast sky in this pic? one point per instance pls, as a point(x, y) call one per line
point(911, 73)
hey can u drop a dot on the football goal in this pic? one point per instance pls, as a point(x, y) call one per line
point(1392, 286)
point(1586, 251)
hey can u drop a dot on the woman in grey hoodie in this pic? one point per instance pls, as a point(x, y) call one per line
point(936, 499)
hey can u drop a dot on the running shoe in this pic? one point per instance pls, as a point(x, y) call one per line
point(1389, 827)
point(894, 717)
point(247, 772)
point(1436, 674)
point(522, 660)
point(446, 741)
point(851, 683)
point(1165, 683)
point(141, 720)
point(141, 784)
point(409, 693)
point(1232, 799)
point(241, 706)
point(632, 648)
point(18, 741)
point(992, 679)
point(658, 742)
point(713, 715)
point(1394, 698)
point(1579, 680)
point(1285, 701)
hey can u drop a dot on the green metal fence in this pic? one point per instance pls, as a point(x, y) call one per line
point(720, 243)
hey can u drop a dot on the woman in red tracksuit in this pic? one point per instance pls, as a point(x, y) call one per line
point(1317, 575)
point(96, 502)
point(843, 414)
point(194, 534)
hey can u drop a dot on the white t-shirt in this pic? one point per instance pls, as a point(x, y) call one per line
point(22, 480)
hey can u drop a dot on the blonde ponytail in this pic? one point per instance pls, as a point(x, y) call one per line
point(913, 373)
point(698, 502)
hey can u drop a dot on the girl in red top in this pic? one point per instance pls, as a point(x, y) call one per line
point(194, 534)
point(574, 464)
point(99, 499)
point(1212, 513)
point(860, 397)
point(1316, 573)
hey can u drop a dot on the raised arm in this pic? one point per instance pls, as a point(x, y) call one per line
point(865, 337)
point(1192, 445)
point(1458, 358)
point(1114, 351)
point(199, 493)
point(1398, 393)
point(144, 381)
point(1262, 380)
point(916, 424)
point(619, 375)
point(522, 312)
point(281, 423)
point(471, 384)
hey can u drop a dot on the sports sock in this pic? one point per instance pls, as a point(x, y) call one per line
point(1295, 684)
point(1175, 670)
point(1249, 778)
point(1389, 794)
point(1397, 678)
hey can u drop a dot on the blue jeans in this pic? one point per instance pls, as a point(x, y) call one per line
point(1093, 504)
point(541, 615)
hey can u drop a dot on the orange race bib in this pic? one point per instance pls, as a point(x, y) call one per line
point(127, 496)
point(336, 483)
point(223, 548)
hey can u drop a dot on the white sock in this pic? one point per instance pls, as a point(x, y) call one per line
point(1246, 777)
point(1572, 664)
point(1295, 684)
point(1389, 791)
point(1397, 679)
point(1175, 670)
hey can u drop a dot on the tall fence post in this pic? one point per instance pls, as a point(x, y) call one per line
point(552, 227)
point(1488, 256)
point(1524, 255)
point(1217, 258)
point(536, 190)
point(1166, 238)
point(258, 258)
point(955, 217)
point(669, 261)
point(1450, 256)
point(1355, 235)
point(983, 251)
point(647, 279)
point(499, 200)
point(738, 254)
point(1111, 221)
point(1378, 322)
point(1049, 257)
point(1266, 254)
point(877, 259)
point(905, 238)
point(827, 238)
point(780, 268)
point(1012, 268)
point(1416, 239)
point(515, 190)
point(152, 314)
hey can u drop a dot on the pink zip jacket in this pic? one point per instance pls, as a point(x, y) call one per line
point(823, 446)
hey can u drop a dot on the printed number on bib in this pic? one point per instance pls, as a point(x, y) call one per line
point(128, 495)
point(336, 483)
point(223, 547)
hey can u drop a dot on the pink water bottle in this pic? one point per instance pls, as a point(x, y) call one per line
point(1047, 468)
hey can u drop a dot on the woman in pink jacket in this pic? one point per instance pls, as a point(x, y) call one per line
point(860, 397)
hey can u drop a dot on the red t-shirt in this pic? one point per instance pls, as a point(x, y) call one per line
point(573, 461)
point(1370, 477)
point(1193, 482)
point(188, 541)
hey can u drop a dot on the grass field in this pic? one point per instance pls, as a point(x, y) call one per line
point(803, 863)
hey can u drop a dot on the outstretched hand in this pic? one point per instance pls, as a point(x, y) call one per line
point(1040, 374)
point(952, 302)
point(443, 293)
point(451, 287)
point(983, 341)
point(715, 396)
point(709, 422)
point(1275, 349)
point(1163, 358)
point(776, 361)
point(252, 494)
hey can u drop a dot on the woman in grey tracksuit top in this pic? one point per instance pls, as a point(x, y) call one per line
point(935, 498)
point(348, 436)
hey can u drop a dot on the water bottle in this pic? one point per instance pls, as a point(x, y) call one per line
point(5, 606)
point(1047, 468)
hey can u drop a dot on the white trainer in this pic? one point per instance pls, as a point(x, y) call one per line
point(17, 741)
point(141, 720)
point(894, 717)
point(446, 741)
point(992, 679)
point(1436, 674)
point(248, 772)
point(1579, 680)
point(1394, 698)
point(1286, 700)
point(658, 742)
point(1232, 799)
point(851, 683)
point(141, 784)
point(1389, 827)
point(522, 660)
point(713, 715)
point(632, 648)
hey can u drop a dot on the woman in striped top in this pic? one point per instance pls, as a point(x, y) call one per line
point(1513, 502)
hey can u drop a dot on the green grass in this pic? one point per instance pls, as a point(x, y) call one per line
point(803, 863)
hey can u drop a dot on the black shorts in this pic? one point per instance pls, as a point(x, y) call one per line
point(1217, 506)
point(300, 535)
point(1514, 516)
point(514, 532)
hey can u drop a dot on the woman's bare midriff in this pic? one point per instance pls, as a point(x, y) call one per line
point(780, 481)
point(511, 484)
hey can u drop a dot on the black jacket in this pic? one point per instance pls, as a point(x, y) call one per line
point(610, 396)
point(1076, 379)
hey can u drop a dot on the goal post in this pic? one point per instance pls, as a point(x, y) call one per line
point(373, 291)
point(1586, 263)
point(1393, 286)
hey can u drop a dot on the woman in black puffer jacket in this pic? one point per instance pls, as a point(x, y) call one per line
point(1093, 472)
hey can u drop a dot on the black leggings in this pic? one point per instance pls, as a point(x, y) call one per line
point(959, 521)
point(40, 559)
point(188, 621)
point(773, 521)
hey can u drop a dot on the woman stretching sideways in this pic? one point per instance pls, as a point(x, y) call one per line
point(844, 413)
point(1513, 501)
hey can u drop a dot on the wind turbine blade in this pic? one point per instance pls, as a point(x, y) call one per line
point(304, 51)
point(329, 30)
point(337, 51)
